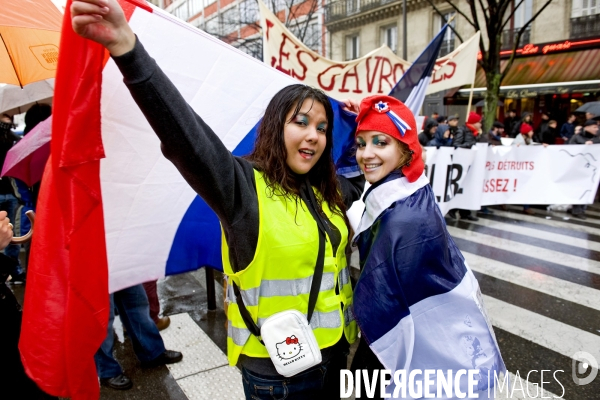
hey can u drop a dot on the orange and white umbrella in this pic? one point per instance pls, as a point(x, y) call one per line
point(29, 38)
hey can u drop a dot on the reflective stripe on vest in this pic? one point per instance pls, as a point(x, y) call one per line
point(292, 287)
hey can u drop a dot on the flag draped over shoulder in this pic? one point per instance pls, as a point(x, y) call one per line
point(113, 212)
point(417, 303)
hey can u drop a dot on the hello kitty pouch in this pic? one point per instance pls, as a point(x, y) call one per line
point(291, 343)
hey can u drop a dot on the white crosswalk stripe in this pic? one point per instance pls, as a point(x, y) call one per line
point(561, 317)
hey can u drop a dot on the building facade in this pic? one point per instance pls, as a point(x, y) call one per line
point(558, 58)
point(237, 22)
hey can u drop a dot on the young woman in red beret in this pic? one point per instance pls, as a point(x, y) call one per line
point(417, 303)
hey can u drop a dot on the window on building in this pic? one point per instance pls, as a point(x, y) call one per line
point(182, 12)
point(212, 26)
point(352, 47)
point(449, 40)
point(582, 8)
point(309, 35)
point(585, 19)
point(249, 12)
point(389, 37)
point(519, 18)
point(195, 7)
point(230, 20)
point(352, 6)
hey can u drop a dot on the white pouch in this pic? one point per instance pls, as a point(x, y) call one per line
point(291, 343)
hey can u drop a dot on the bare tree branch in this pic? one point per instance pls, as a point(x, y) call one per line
point(518, 39)
point(511, 14)
point(445, 20)
point(486, 15)
point(462, 14)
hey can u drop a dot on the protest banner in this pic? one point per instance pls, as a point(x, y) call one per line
point(375, 73)
point(488, 175)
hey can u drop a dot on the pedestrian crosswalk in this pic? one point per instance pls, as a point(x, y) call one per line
point(540, 276)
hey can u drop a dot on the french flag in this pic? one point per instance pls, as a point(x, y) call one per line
point(113, 212)
point(417, 303)
point(411, 88)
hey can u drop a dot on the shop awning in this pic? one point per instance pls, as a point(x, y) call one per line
point(550, 70)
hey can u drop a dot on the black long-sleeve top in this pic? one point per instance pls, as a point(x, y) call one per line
point(224, 181)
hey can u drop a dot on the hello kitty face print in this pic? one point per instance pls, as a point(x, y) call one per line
point(289, 348)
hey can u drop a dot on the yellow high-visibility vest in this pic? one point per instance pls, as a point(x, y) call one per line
point(280, 275)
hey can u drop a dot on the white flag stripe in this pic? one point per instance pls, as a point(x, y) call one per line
point(544, 331)
point(554, 222)
point(567, 260)
point(538, 234)
point(546, 284)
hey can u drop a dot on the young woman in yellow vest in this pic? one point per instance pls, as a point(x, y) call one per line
point(270, 238)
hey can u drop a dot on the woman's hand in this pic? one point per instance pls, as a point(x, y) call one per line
point(6, 230)
point(351, 105)
point(103, 21)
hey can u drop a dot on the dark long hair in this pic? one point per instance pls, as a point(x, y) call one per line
point(269, 154)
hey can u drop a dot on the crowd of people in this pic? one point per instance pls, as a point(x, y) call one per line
point(282, 211)
point(439, 131)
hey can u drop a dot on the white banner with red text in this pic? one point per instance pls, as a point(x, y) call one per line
point(488, 175)
point(375, 73)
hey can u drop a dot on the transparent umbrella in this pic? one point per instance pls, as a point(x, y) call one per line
point(14, 100)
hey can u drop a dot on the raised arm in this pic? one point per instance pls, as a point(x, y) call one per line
point(221, 179)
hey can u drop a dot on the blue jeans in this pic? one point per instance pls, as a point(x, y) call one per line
point(320, 382)
point(9, 203)
point(134, 311)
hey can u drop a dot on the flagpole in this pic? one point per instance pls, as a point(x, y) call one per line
point(470, 99)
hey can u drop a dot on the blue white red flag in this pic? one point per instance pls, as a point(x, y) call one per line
point(417, 303)
point(411, 88)
point(113, 212)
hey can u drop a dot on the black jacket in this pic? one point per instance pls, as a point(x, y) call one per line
point(584, 137)
point(464, 138)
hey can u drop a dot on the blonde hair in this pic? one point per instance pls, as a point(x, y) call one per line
point(406, 154)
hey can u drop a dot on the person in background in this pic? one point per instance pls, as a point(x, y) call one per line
point(466, 138)
point(510, 120)
point(428, 133)
point(494, 136)
point(548, 133)
point(8, 198)
point(148, 345)
point(589, 115)
point(151, 291)
point(588, 136)
point(453, 125)
point(516, 130)
point(13, 380)
point(526, 138)
point(545, 119)
point(36, 114)
point(442, 137)
point(442, 119)
point(567, 130)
